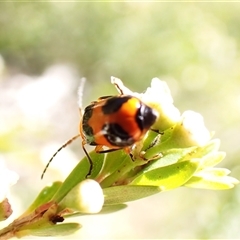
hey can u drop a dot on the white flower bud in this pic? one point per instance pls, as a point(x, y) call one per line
point(86, 197)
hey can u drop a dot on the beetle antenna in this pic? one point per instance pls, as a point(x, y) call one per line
point(80, 95)
point(54, 155)
point(120, 86)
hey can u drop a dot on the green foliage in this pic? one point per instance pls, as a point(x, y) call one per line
point(121, 194)
point(54, 230)
point(168, 177)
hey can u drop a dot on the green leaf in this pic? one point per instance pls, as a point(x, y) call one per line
point(114, 161)
point(168, 177)
point(214, 183)
point(149, 138)
point(216, 172)
point(54, 230)
point(112, 208)
point(211, 159)
point(172, 156)
point(113, 167)
point(210, 148)
point(127, 193)
point(106, 209)
point(212, 178)
point(160, 146)
point(44, 196)
point(79, 173)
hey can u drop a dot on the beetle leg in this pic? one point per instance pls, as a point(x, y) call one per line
point(89, 159)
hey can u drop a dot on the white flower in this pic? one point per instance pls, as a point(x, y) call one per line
point(191, 131)
point(159, 97)
point(193, 122)
point(159, 92)
point(7, 179)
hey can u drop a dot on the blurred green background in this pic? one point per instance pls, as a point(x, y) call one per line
point(45, 49)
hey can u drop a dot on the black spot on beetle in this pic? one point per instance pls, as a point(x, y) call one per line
point(113, 104)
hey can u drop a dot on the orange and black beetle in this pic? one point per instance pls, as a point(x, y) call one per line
point(115, 122)
point(112, 123)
